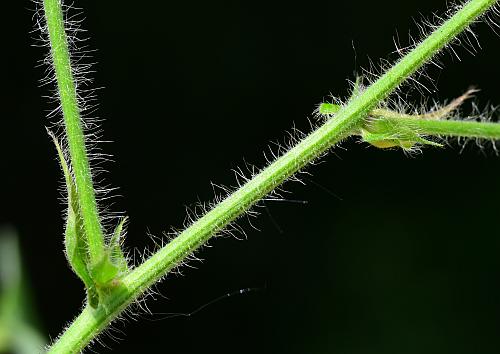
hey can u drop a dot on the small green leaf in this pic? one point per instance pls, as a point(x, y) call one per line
point(328, 108)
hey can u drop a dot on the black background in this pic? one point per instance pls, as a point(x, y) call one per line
point(407, 261)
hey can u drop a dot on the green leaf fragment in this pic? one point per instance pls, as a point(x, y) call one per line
point(328, 108)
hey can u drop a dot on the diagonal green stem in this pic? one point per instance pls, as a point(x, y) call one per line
point(91, 322)
point(74, 132)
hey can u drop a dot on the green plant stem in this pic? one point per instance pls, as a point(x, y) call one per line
point(90, 322)
point(452, 128)
point(74, 132)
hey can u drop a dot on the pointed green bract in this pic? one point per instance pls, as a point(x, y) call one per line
point(116, 253)
point(114, 262)
point(74, 235)
point(356, 89)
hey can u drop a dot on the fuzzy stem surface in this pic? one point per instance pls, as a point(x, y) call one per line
point(61, 61)
point(453, 128)
point(91, 322)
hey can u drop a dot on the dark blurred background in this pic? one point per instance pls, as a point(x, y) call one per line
point(391, 254)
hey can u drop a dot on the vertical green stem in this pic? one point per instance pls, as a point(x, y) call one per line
point(74, 132)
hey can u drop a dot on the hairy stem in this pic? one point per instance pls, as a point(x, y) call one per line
point(90, 322)
point(452, 128)
point(74, 132)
